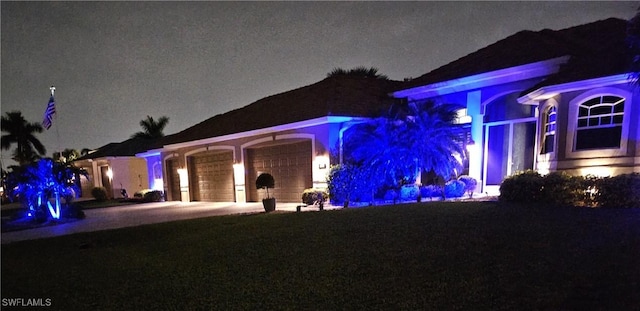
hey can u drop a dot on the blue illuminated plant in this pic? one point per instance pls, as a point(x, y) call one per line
point(37, 183)
point(390, 152)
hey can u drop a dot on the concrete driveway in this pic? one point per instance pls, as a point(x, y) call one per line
point(145, 213)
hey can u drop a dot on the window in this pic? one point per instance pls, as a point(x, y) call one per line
point(599, 124)
point(549, 130)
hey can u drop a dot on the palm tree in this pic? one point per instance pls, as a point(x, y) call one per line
point(152, 129)
point(361, 71)
point(21, 133)
point(379, 149)
point(66, 156)
point(434, 141)
point(393, 150)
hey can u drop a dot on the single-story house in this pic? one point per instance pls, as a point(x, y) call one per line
point(550, 100)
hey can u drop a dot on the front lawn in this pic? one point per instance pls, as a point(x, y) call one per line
point(439, 255)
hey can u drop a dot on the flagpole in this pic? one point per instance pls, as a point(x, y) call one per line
point(53, 91)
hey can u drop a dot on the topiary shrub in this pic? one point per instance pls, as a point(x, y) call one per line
point(470, 184)
point(522, 187)
point(265, 181)
point(619, 191)
point(99, 193)
point(454, 189)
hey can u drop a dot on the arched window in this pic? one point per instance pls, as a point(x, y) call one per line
point(549, 138)
point(599, 124)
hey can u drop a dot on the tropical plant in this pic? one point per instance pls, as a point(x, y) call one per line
point(633, 42)
point(152, 129)
point(66, 156)
point(470, 184)
point(35, 184)
point(21, 133)
point(360, 71)
point(379, 149)
point(433, 139)
point(392, 151)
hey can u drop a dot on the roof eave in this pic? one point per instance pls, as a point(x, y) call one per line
point(267, 130)
point(496, 77)
point(546, 92)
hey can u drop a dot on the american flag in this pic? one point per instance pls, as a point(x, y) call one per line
point(48, 114)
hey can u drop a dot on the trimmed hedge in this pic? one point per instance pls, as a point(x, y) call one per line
point(561, 189)
point(619, 191)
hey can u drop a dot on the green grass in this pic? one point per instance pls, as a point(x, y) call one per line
point(475, 255)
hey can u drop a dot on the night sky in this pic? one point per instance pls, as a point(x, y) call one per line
point(114, 63)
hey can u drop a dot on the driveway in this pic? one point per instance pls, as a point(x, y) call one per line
point(146, 213)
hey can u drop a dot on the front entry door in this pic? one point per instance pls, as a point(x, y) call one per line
point(509, 148)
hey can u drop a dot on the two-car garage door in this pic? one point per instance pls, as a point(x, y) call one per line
point(290, 165)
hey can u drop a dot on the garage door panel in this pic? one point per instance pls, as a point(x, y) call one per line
point(212, 174)
point(290, 165)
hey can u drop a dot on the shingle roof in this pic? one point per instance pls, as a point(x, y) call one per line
point(126, 148)
point(341, 95)
point(525, 47)
point(603, 52)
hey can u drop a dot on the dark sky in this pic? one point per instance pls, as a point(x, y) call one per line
point(114, 63)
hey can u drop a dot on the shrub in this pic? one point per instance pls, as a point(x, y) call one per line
point(470, 184)
point(619, 191)
point(149, 195)
point(390, 195)
point(409, 193)
point(310, 195)
point(430, 191)
point(454, 189)
point(522, 187)
point(349, 183)
point(560, 189)
point(99, 193)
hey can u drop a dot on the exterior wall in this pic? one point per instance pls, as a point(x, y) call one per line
point(324, 137)
point(129, 173)
point(600, 162)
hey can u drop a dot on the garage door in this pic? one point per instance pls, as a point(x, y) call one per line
point(211, 177)
point(290, 165)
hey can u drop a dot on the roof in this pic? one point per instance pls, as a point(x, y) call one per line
point(603, 52)
point(581, 42)
point(341, 95)
point(127, 148)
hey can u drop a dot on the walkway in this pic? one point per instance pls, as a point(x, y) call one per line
point(140, 214)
